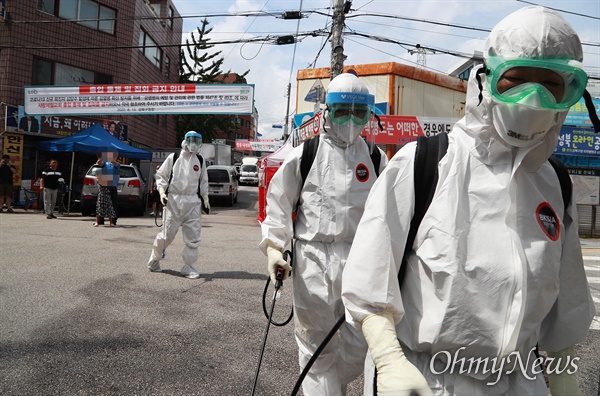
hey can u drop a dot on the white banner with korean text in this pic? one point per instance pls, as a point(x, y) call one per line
point(141, 99)
point(257, 145)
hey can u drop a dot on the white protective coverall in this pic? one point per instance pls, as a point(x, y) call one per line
point(486, 277)
point(331, 204)
point(183, 207)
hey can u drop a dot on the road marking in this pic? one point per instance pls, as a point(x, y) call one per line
point(596, 299)
point(595, 323)
point(588, 268)
point(593, 279)
point(591, 258)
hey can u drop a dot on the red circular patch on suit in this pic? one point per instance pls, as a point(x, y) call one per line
point(548, 220)
point(196, 168)
point(362, 172)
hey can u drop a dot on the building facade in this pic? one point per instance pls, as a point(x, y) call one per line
point(83, 42)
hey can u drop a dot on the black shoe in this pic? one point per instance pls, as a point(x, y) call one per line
point(54, 217)
point(49, 217)
point(9, 210)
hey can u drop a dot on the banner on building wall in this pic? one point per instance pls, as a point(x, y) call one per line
point(60, 126)
point(396, 129)
point(13, 146)
point(578, 141)
point(141, 99)
point(257, 145)
point(405, 129)
point(578, 113)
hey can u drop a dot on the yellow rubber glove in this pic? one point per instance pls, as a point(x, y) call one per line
point(163, 196)
point(563, 384)
point(206, 203)
point(274, 261)
point(395, 374)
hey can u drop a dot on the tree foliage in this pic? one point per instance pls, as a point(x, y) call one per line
point(198, 66)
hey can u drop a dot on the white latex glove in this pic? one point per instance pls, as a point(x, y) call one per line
point(274, 261)
point(206, 203)
point(163, 196)
point(563, 384)
point(395, 374)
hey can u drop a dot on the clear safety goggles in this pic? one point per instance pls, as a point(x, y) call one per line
point(193, 140)
point(574, 77)
point(350, 106)
point(343, 113)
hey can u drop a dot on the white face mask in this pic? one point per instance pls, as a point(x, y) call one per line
point(193, 147)
point(344, 134)
point(521, 125)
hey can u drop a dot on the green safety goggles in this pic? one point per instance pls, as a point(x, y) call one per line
point(341, 113)
point(574, 77)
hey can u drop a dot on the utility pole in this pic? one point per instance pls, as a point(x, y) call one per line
point(337, 42)
point(287, 112)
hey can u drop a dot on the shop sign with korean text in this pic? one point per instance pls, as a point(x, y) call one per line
point(141, 99)
point(13, 146)
point(578, 141)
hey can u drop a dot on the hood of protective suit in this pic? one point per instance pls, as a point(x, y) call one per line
point(527, 33)
point(346, 133)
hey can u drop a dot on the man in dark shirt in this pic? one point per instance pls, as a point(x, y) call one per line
point(6, 182)
point(49, 184)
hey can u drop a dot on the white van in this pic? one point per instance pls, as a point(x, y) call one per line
point(222, 183)
point(249, 171)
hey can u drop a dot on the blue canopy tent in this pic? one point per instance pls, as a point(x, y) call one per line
point(92, 140)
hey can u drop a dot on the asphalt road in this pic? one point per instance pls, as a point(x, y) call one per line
point(80, 314)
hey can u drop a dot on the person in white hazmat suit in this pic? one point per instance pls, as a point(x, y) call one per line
point(183, 204)
point(330, 205)
point(496, 265)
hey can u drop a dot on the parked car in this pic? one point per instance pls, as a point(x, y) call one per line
point(222, 183)
point(131, 190)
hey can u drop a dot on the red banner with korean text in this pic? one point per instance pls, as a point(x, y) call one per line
point(396, 129)
point(405, 129)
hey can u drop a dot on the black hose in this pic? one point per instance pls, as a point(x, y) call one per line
point(264, 305)
point(315, 355)
point(156, 212)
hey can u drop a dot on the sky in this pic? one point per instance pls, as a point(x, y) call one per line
point(459, 27)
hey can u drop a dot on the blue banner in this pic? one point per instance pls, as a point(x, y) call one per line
point(578, 114)
point(578, 141)
point(575, 161)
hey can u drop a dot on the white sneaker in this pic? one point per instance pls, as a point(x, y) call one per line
point(151, 213)
point(190, 272)
point(154, 266)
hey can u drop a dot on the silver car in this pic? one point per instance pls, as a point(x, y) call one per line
point(131, 189)
point(222, 183)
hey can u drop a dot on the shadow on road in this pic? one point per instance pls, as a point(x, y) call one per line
point(222, 275)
